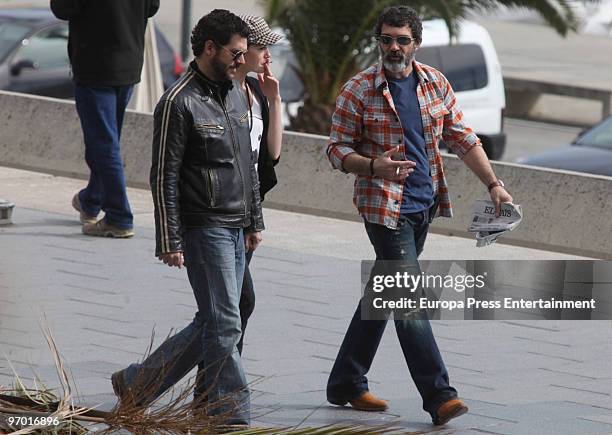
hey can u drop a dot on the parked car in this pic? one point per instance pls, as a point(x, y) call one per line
point(34, 54)
point(470, 64)
point(591, 152)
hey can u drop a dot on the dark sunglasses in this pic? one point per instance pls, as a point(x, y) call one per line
point(236, 54)
point(401, 40)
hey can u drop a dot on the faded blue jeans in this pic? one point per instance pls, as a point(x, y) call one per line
point(215, 260)
point(348, 376)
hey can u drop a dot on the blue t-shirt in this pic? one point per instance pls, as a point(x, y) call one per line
point(418, 189)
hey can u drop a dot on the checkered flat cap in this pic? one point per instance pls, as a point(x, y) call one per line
point(259, 31)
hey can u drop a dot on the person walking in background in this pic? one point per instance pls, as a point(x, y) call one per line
point(265, 125)
point(207, 211)
point(400, 108)
point(105, 47)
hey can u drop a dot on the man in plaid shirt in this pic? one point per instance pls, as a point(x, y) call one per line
point(388, 122)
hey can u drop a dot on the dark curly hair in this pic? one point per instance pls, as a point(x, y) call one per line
point(219, 26)
point(400, 16)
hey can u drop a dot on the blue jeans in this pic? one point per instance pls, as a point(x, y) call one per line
point(214, 258)
point(348, 376)
point(101, 111)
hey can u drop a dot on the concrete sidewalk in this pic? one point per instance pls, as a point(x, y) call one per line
point(103, 297)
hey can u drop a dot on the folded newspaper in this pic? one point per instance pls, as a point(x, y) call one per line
point(489, 228)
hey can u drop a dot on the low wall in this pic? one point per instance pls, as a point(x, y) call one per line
point(44, 134)
point(563, 211)
point(523, 96)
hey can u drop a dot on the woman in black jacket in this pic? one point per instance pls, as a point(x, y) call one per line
point(265, 125)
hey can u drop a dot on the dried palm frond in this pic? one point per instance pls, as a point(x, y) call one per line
point(179, 415)
point(173, 412)
point(35, 403)
point(328, 430)
point(42, 401)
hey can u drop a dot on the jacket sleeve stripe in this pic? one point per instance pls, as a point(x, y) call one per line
point(161, 160)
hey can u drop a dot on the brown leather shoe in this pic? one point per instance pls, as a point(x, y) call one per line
point(369, 402)
point(448, 410)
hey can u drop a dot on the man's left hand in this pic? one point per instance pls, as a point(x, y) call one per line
point(498, 196)
point(252, 240)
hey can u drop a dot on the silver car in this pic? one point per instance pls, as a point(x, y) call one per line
point(34, 54)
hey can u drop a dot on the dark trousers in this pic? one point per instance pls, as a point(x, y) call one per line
point(247, 299)
point(101, 110)
point(348, 376)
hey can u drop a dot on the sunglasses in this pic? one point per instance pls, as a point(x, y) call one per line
point(235, 54)
point(401, 40)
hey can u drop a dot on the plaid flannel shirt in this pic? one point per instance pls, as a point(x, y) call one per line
point(365, 121)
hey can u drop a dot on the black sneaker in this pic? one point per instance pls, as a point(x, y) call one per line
point(119, 386)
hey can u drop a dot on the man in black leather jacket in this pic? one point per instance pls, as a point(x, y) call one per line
point(206, 191)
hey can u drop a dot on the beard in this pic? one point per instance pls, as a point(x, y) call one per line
point(398, 64)
point(222, 70)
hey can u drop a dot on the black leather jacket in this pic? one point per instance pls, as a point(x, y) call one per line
point(202, 173)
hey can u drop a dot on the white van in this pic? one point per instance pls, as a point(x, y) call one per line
point(473, 69)
point(470, 64)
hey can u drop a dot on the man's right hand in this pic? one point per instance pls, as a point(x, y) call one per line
point(394, 170)
point(172, 259)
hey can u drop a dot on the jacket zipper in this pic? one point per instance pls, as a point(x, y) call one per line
point(211, 126)
point(236, 152)
point(211, 195)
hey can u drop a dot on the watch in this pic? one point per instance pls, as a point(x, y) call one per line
point(496, 183)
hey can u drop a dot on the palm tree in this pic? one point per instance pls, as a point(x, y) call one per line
point(332, 40)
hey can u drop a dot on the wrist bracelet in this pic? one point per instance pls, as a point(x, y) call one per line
point(372, 166)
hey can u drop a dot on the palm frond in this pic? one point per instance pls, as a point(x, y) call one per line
point(176, 415)
point(328, 430)
point(331, 39)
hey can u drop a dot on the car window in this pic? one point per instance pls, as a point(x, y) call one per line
point(11, 34)
point(600, 136)
point(463, 64)
point(47, 49)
